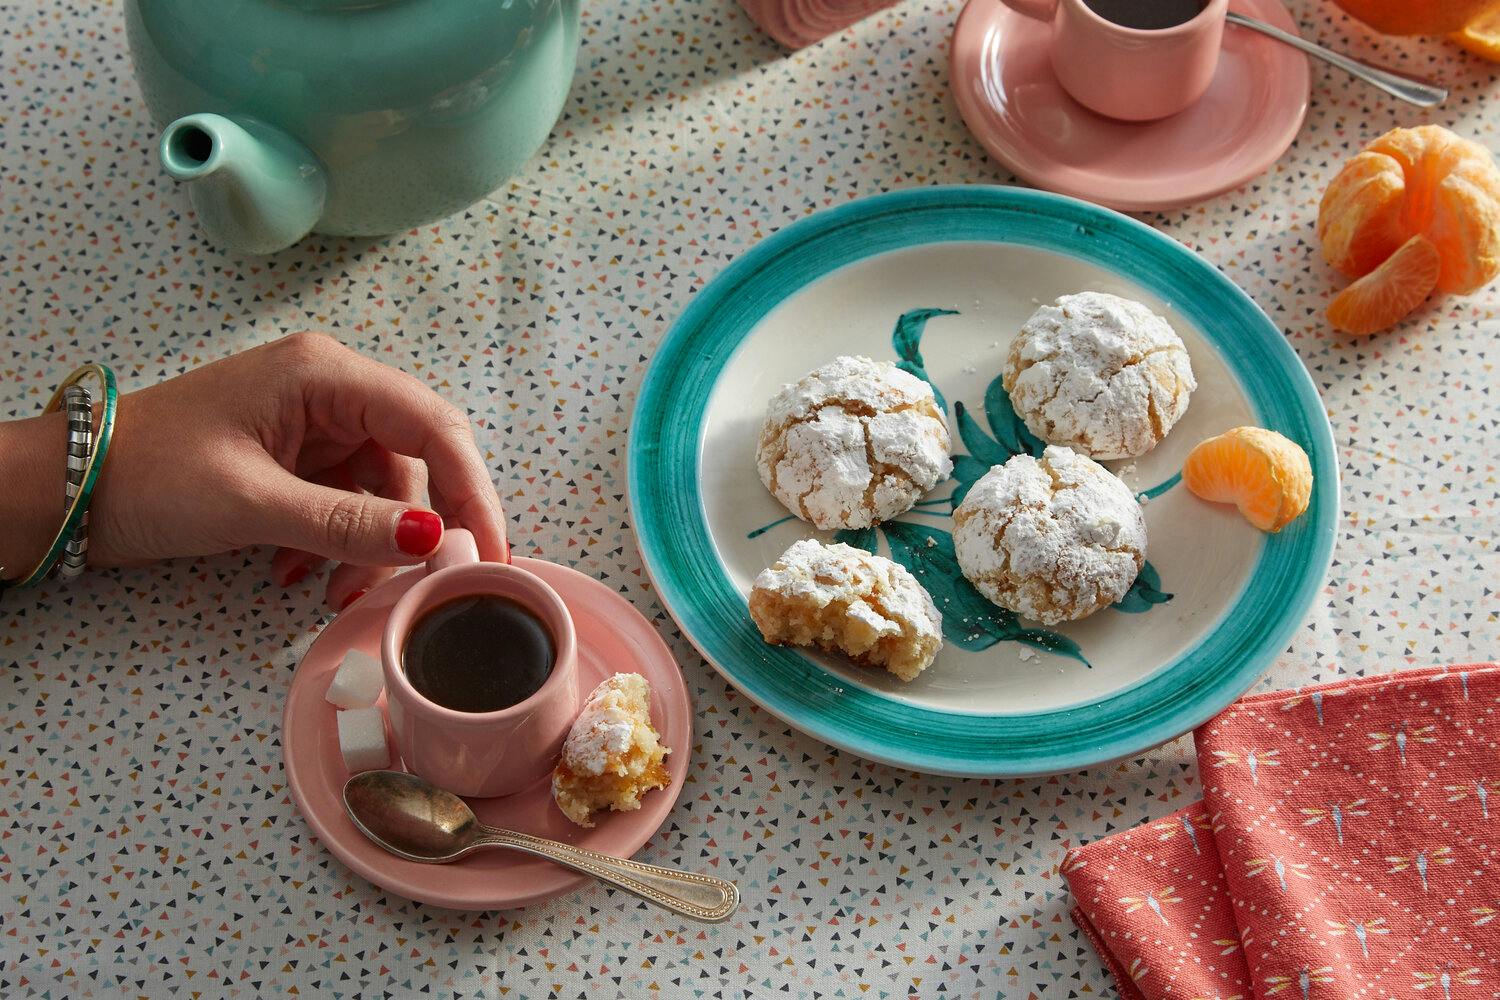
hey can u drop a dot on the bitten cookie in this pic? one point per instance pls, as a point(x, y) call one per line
point(846, 600)
point(1053, 539)
point(613, 755)
point(853, 443)
point(1100, 374)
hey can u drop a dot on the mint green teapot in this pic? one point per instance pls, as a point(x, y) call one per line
point(347, 117)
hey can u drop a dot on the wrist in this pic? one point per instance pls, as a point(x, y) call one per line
point(33, 463)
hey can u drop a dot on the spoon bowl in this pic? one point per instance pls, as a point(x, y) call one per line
point(411, 817)
point(414, 819)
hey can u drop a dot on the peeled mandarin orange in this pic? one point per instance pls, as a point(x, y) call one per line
point(1452, 198)
point(1389, 292)
point(1412, 182)
point(1415, 17)
point(1481, 36)
point(1416, 180)
point(1261, 472)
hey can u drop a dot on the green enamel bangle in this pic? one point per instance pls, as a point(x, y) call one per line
point(80, 505)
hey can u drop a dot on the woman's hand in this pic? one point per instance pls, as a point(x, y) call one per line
point(302, 444)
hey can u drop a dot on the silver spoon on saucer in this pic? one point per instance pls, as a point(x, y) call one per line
point(416, 820)
point(1412, 89)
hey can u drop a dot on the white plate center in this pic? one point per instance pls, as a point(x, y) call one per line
point(1203, 553)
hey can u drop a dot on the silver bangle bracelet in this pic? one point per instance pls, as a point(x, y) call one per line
point(78, 403)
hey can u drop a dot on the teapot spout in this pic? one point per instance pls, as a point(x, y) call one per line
point(255, 189)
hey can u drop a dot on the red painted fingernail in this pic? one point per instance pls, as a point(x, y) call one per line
point(352, 598)
point(418, 532)
point(296, 575)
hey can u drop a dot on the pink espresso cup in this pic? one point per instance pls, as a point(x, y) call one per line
point(1133, 74)
point(480, 754)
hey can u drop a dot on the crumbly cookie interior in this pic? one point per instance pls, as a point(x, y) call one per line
point(613, 755)
point(844, 600)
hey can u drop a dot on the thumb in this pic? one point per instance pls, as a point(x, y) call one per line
point(347, 527)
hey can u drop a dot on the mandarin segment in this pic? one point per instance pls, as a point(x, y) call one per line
point(1481, 36)
point(1359, 219)
point(1385, 295)
point(1465, 225)
point(1415, 17)
point(1265, 475)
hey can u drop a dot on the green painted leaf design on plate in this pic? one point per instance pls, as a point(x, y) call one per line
point(907, 341)
point(861, 538)
point(981, 446)
point(1010, 437)
point(970, 620)
point(1009, 429)
point(1144, 594)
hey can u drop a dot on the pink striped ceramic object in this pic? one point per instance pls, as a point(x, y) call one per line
point(799, 23)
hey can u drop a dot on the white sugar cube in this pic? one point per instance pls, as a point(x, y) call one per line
point(357, 682)
point(362, 739)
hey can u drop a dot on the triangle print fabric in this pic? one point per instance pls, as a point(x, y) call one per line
point(1345, 847)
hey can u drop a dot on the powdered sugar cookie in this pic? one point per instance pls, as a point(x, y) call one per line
point(1053, 539)
point(613, 754)
point(853, 443)
point(846, 600)
point(1100, 374)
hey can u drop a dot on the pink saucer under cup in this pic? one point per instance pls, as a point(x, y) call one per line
point(612, 636)
point(481, 754)
point(1009, 95)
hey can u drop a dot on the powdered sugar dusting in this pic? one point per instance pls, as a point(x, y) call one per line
point(1099, 373)
point(1053, 539)
point(852, 443)
point(605, 727)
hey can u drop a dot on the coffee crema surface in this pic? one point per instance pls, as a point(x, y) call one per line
point(481, 653)
point(1148, 15)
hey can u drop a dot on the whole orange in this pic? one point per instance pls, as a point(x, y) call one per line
point(1415, 17)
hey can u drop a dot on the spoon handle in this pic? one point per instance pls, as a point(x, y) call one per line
point(1413, 90)
point(702, 897)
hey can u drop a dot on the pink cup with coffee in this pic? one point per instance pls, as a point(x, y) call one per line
point(1131, 73)
point(488, 753)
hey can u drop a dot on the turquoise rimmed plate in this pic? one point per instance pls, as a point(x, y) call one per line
point(938, 280)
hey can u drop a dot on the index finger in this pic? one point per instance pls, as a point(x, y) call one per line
point(397, 411)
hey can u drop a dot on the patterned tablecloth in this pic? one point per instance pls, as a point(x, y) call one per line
point(148, 844)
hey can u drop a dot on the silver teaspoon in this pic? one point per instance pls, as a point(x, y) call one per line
point(1412, 89)
point(416, 820)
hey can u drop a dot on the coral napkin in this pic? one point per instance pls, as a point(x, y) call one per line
point(1345, 846)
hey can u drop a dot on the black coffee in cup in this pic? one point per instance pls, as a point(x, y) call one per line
point(1147, 14)
point(478, 654)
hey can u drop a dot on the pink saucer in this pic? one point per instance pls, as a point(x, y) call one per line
point(612, 638)
point(1002, 79)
